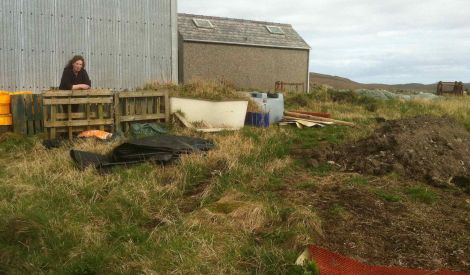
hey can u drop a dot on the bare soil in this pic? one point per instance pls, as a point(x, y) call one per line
point(426, 148)
point(376, 220)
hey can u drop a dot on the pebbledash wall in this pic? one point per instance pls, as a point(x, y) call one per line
point(248, 54)
point(126, 43)
point(247, 67)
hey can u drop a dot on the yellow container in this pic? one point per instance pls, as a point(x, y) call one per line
point(6, 120)
point(5, 102)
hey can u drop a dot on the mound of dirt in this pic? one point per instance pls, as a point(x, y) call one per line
point(426, 148)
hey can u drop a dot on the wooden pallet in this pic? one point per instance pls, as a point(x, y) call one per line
point(141, 106)
point(94, 110)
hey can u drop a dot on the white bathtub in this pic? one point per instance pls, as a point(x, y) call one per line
point(218, 114)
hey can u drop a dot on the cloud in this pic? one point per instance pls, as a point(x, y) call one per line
point(395, 41)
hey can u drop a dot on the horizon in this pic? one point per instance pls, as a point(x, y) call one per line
point(388, 43)
point(372, 83)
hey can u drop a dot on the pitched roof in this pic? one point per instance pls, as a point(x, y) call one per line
point(239, 32)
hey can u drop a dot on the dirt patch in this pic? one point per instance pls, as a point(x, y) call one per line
point(232, 211)
point(426, 148)
point(356, 221)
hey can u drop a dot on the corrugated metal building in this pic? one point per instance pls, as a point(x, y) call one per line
point(126, 43)
point(248, 54)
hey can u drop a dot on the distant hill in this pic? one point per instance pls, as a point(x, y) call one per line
point(344, 83)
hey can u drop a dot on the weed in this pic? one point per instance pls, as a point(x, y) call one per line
point(266, 259)
point(309, 268)
point(337, 210)
point(422, 194)
point(389, 197)
point(358, 180)
point(12, 142)
point(90, 263)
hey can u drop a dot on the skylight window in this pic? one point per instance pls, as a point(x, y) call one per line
point(203, 23)
point(275, 29)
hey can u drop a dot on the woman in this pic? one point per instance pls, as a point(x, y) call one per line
point(75, 76)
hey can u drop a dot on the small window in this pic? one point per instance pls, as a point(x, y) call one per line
point(275, 29)
point(203, 23)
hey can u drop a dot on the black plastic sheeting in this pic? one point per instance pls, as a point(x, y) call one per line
point(159, 149)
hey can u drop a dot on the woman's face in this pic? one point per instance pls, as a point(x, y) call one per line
point(77, 66)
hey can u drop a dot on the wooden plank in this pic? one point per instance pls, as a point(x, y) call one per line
point(325, 115)
point(294, 119)
point(142, 117)
point(78, 101)
point(112, 116)
point(18, 114)
point(69, 118)
point(127, 111)
point(37, 114)
point(117, 113)
point(315, 118)
point(167, 107)
point(77, 123)
point(75, 129)
point(45, 116)
point(77, 93)
point(142, 94)
point(144, 106)
point(150, 104)
point(63, 116)
point(29, 122)
point(100, 115)
point(138, 105)
point(158, 105)
point(88, 113)
point(131, 103)
point(183, 120)
point(53, 114)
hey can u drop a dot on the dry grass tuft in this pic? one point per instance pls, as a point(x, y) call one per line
point(234, 212)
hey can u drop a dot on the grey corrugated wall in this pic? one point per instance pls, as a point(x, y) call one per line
point(126, 43)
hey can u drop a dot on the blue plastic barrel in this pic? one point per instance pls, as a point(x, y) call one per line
point(272, 104)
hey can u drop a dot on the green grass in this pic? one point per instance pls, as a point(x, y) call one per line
point(422, 194)
point(234, 210)
point(389, 197)
point(358, 180)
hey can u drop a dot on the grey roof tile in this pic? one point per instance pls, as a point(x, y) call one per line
point(238, 31)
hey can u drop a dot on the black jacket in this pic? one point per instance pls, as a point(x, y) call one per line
point(69, 79)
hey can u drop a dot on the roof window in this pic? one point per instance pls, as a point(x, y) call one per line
point(275, 29)
point(203, 23)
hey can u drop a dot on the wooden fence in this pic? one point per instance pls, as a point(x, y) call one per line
point(76, 111)
point(141, 106)
point(281, 86)
point(450, 88)
point(27, 114)
point(63, 113)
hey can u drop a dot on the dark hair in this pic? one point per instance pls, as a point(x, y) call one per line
point(75, 59)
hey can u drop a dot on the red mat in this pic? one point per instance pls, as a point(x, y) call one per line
point(333, 264)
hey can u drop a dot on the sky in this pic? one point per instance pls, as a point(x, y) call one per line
point(369, 41)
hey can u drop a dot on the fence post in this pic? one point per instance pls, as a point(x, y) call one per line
point(167, 106)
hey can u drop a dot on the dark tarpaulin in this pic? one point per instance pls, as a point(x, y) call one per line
point(161, 149)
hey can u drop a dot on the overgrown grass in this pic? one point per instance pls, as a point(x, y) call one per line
point(223, 212)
